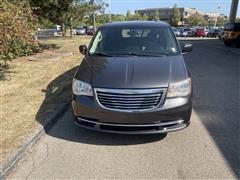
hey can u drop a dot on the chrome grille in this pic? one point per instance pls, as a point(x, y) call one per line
point(129, 99)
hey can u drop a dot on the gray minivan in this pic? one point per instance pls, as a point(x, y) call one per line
point(133, 80)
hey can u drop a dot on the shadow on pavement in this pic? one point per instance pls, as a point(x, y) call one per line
point(57, 92)
point(215, 76)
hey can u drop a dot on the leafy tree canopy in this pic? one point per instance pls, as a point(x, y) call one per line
point(176, 16)
point(197, 19)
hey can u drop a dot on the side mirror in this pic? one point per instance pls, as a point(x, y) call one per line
point(187, 48)
point(83, 49)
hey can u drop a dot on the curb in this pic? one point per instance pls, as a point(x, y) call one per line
point(33, 138)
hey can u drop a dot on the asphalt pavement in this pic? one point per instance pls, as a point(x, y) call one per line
point(208, 148)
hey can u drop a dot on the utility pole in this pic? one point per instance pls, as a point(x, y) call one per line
point(216, 17)
point(110, 16)
point(233, 12)
point(93, 15)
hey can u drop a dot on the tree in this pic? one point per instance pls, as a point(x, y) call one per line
point(144, 17)
point(176, 16)
point(156, 16)
point(136, 16)
point(63, 12)
point(17, 27)
point(118, 17)
point(197, 19)
point(54, 10)
point(221, 21)
point(128, 15)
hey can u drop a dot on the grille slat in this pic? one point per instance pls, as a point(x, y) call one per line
point(130, 104)
point(130, 95)
point(130, 108)
point(129, 100)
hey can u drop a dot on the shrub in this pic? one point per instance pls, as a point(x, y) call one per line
point(17, 28)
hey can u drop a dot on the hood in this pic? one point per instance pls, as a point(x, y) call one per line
point(131, 72)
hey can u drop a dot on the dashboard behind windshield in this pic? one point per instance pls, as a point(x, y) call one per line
point(134, 40)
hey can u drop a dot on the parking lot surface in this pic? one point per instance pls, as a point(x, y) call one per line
point(208, 148)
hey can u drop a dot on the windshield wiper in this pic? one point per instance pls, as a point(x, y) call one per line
point(129, 54)
point(139, 54)
point(101, 54)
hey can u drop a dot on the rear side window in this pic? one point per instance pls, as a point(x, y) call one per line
point(126, 33)
point(232, 27)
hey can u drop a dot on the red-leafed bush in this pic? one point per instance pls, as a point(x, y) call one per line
point(17, 28)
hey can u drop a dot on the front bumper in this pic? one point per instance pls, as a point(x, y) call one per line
point(173, 115)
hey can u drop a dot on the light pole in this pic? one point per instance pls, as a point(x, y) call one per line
point(216, 18)
point(93, 15)
point(233, 12)
point(215, 23)
point(110, 15)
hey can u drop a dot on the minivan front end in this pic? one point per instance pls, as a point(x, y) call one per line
point(133, 111)
point(121, 111)
point(133, 92)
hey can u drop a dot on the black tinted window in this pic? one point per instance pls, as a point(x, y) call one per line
point(128, 40)
point(232, 27)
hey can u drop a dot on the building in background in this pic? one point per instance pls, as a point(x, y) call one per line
point(213, 16)
point(166, 13)
point(185, 13)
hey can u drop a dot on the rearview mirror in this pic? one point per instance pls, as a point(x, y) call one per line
point(186, 48)
point(83, 49)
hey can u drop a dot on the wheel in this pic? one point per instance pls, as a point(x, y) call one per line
point(238, 42)
point(227, 43)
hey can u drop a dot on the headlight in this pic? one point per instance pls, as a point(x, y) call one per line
point(81, 88)
point(180, 89)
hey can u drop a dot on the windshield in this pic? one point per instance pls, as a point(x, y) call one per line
point(150, 41)
point(232, 27)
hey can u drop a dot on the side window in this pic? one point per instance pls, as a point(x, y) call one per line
point(146, 32)
point(237, 26)
point(96, 41)
point(125, 33)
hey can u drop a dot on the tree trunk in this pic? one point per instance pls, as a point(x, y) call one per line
point(70, 26)
point(63, 30)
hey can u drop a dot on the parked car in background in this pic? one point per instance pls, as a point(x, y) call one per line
point(232, 34)
point(187, 32)
point(206, 31)
point(80, 31)
point(200, 33)
point(90, 31)
point(133, 80)
point(213, 33)
point(57, 27)
point(177, 32)
point(221, 33)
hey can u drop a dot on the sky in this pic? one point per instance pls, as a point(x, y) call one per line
point(207, 6)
